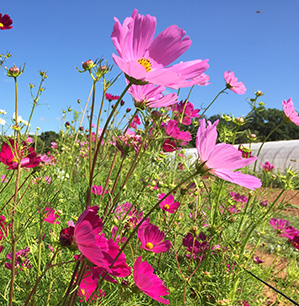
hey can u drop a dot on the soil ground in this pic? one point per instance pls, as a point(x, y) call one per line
point(289, 197)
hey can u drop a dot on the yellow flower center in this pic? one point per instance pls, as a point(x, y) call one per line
point(15, 159)
point(149, 245)
point(82, 291)
point(166, 206)
point(145, 63)
point(1, 25)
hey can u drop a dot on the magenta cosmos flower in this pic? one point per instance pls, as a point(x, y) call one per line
point(50, 215)
point(85, 236)
point(149, 283)
point(87, 287)
point(283, 228)
point(150, 95)
point(144, 60)
point(289, 111)
point(5, 22)
point(221, 159)
point(152, 238)
point(168, 204)
point(267, 167)
point(233, 84)
point(10, 155)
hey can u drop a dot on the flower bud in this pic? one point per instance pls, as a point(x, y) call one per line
point(87, 65)
point(240, 120)
point(252, 136)
point(122, 102)
point(67, 124)
point(14, 72)
point(78, 101)
point(81, 128)
point(128, 110)
point(259, 93)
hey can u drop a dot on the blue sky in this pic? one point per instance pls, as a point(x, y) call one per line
point(261, 48)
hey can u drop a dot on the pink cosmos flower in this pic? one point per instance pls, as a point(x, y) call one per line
point(257, 260)
point(53, 145)
point(2, 227)
point(220, 159)
point(150, 95)
point(289, 111)
point(5, 22)
point(152, 238)
point(267, 167)
point(87, 286)
point(130, 215)
point(51, 216)
point(238, 197)
point(283, 229)
point(233, 84)
point(11, 156)
point(85, 235)
point(110, 97)
point(184, 112)
point(98, 190)
point(295, 242)
point(149, 283)
point(135, 122)
point(168, 204)
point(169, 145)
point(96, 248)
point(172, 130)
point(22, 260)
point(29, 139)
point(128, 142)
point(144, 60)
point(193, 245)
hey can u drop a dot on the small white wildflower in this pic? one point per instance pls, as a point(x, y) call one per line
point(2, 122)
point(2, 112)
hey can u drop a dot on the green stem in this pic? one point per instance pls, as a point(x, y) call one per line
point(259, 151)
point(222, 91)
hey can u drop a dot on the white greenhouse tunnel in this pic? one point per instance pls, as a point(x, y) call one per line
point(282, 154)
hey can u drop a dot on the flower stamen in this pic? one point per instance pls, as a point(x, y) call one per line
point(145, 63)
point(149, 245)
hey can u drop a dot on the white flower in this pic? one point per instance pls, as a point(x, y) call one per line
point(2, 112)
point(2, 122)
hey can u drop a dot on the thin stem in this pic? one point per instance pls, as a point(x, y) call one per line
point(48, 266)
point(88, 197)
point(222, 91)
point(259, 151)
point(84, 111)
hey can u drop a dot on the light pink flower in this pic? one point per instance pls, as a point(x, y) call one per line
point(152, 238)
point(168, 204)
point(148, 282)
point(53, 145)
point(290, 111)
point(267, 167)
point(220, 159)
point(283, 228)
point(233, 84)
point(145, 60)
point(150, 95)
